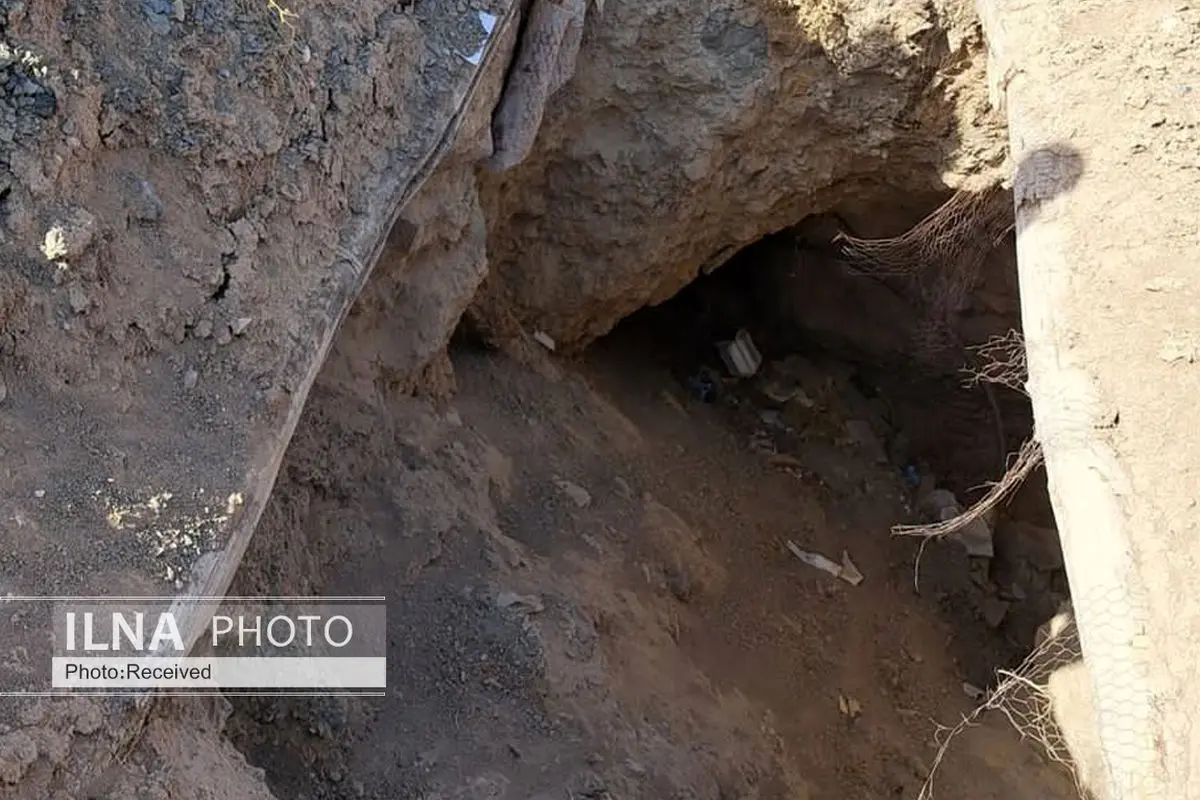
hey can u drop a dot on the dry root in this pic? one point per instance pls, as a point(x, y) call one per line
point(1000, 360)
point(1027, 460)
point(939, 261)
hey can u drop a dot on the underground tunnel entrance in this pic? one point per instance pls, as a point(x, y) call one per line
point(808, 311)
point(592, 566)
point(842, 368)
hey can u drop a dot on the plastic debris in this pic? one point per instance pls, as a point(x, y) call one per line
point(488, 22)
point(911, 476)
point(846, 570)
point(545, 340)
point(740, 355)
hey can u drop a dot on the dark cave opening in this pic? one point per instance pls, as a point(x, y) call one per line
point(841, 364)
point(797, 299)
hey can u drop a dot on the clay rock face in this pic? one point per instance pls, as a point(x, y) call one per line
point(690, 130)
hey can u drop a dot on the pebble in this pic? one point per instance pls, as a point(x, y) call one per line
point(528, 603)
point(3, 389)
point(579, 496)
point(144, 203)
point(225, 336)
point(26, 87)
point(623, 488)
point(78, 299)
point(994, 610)
point(190, 378)
point(203, 329)
point(18, 752)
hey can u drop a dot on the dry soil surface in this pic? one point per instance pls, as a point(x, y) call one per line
point(590, 596)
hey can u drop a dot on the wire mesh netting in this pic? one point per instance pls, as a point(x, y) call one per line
point(938, 261)
point(1026, 696)
point(937, 265)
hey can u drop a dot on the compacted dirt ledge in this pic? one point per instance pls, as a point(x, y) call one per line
point(189, 207)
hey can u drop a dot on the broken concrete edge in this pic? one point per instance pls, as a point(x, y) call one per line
point(1087, 478)
point(213, 573)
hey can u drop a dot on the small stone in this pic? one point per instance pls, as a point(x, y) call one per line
point(190, 378)
point(88, 719)
point(44, 105)
point(862, 435)
point(579, 496)
point(994, 610)
point(78, 299)
point(528, 603)
point(623, 488)
point(680, 584)
point(143, 203)
point(39, 493)
point(1033, 544)
point(203, 329)
point(18, 751)
point(3, 389)
point(26, 87)
point(976, 538)
point(224, 336)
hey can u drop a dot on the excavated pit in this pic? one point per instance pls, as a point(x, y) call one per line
point(592, 596)
point(590, 592)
